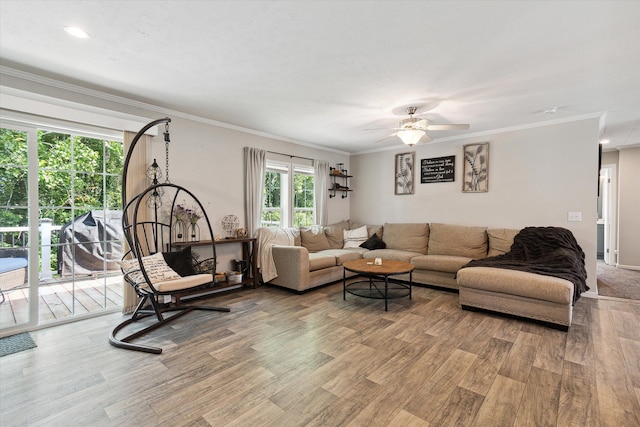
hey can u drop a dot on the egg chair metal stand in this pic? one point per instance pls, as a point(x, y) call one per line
point(148, 220)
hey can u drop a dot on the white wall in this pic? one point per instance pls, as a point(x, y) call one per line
point(629, 208)
point(536, 176)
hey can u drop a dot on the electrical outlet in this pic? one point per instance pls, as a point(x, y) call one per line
point(574, 216)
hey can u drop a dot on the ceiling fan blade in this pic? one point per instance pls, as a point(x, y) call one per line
point(449, 126)
point(386, 138)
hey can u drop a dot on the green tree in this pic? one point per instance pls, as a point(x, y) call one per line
point(75, 174)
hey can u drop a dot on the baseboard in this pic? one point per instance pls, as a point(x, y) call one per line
point(628, 267)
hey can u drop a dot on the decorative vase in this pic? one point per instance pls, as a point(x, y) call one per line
point(195, 232)
point(180, 231)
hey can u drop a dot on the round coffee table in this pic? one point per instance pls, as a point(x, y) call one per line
point(377, 275)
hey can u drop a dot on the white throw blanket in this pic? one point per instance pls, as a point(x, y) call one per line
point(267, 237)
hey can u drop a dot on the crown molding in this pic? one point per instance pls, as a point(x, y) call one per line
point(47, 81)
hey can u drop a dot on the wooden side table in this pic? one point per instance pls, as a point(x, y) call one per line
point(250, 274)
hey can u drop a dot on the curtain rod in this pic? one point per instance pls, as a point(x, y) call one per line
point(291, 156)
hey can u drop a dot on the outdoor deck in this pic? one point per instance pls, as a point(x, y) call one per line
point(57, 300)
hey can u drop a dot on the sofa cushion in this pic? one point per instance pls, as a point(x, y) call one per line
point(371, 229)
point(335, 233)
point(458, 240)
point(314, 239)
point(407, 237)
point(446, 263)
point(342, 255)
point(395, 254)
point(520, 283)
point(354, 238)
point(500, 240)
point(318, 261)
point(373, 243)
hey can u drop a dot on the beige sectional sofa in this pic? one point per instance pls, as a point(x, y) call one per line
point(438, 252)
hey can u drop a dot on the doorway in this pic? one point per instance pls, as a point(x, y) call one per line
point(606, 223)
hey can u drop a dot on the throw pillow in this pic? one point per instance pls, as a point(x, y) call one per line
point(181, 262)
point(373, 243)
point(354, 238)
point(314, 239)
point(155, 265)
point(335, 233)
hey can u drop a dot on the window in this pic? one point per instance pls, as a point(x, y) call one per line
point(303, 201)
point(288, 195)
point(63, 196)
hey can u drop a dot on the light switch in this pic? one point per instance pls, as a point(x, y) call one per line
point(575, 216)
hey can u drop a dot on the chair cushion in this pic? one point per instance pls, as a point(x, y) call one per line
point(155, 266)
point(9, 264)
point(183, 283)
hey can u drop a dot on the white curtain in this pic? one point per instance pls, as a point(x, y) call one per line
point(255, 165)
point(321, 182)
point(136, 183)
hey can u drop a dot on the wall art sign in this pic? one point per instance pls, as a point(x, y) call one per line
point(475, 178)
point(405, 167)
point(438, 169)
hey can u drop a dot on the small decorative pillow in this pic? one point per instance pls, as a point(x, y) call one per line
point(155, 265)
point(181, 262)
point(373, 243)
point(314, 239)
point(354, 238)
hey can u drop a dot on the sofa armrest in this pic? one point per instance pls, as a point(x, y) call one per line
point(292, 265)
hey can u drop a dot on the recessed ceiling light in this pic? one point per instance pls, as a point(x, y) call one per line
point(77, 32)
point(604, 141)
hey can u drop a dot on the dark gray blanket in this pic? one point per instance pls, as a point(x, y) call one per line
point(550, 251)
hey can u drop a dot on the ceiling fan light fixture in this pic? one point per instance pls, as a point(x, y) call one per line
point(410, 136)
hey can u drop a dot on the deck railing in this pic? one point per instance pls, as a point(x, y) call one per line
point(18, 238)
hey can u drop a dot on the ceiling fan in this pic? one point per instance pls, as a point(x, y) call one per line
point(412, 129)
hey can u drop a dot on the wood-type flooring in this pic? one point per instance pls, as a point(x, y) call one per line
point(282, 359)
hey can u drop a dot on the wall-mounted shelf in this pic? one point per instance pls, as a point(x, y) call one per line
point(339, 182)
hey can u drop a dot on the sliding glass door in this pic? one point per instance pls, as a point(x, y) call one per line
point(61, 215)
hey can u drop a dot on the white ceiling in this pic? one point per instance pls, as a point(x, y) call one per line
point(322, 72)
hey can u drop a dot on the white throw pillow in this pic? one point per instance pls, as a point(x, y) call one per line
point(354, 238)
point(157, 269)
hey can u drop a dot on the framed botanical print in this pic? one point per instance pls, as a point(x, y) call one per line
point(405, 168)
point(475, 169)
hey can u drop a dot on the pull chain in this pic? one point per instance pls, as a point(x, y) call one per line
point(166, 150)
